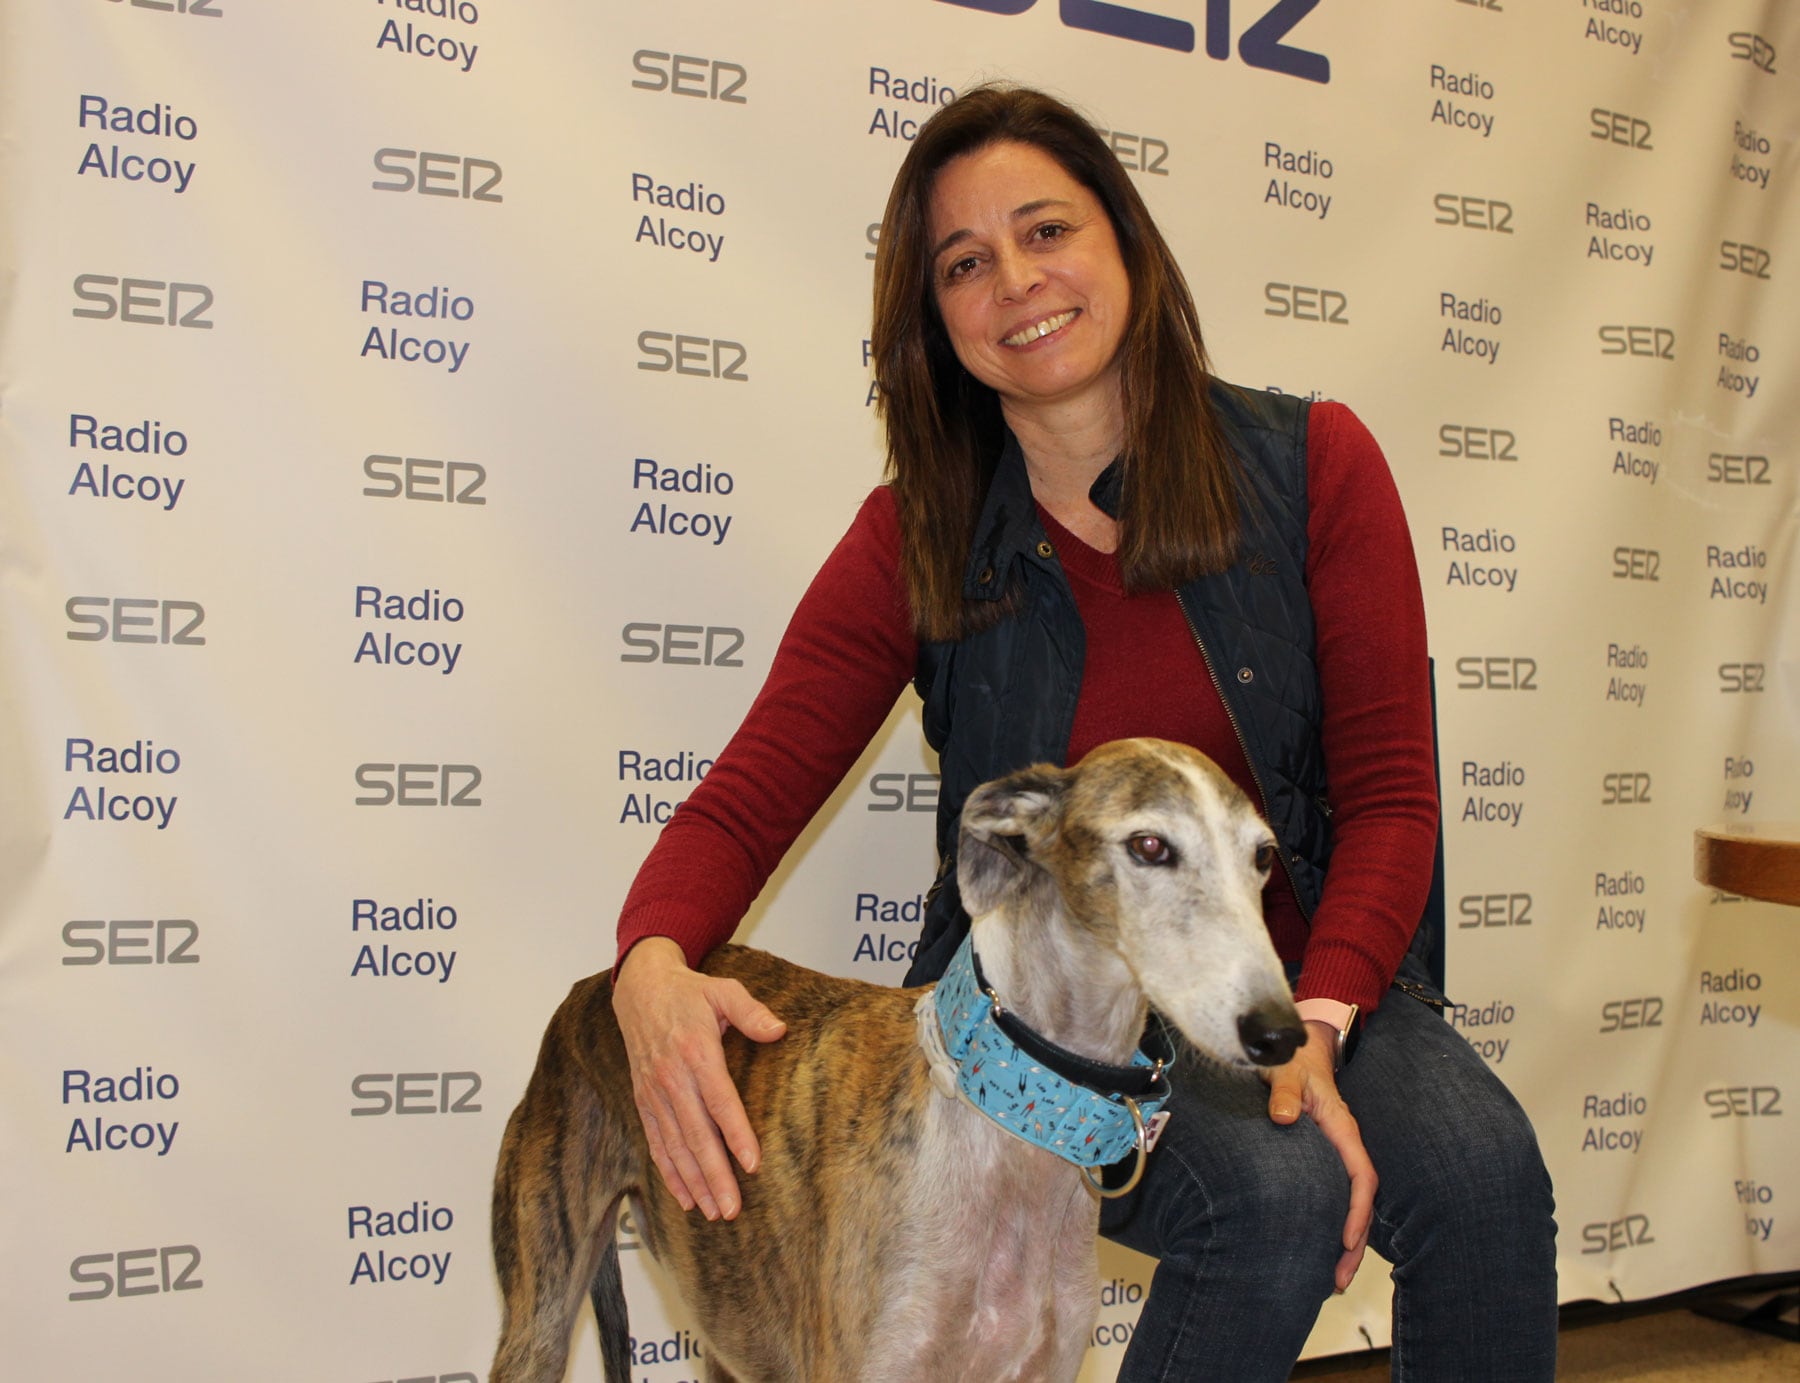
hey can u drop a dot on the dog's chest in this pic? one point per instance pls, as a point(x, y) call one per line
point(1003, 1282)
point(1022, 1290)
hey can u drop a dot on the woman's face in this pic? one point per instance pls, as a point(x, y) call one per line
point(1028, 278)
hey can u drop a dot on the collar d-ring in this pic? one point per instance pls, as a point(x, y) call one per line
point(1142, 1141)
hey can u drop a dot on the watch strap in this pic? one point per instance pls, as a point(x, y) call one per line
point(1345, 1018)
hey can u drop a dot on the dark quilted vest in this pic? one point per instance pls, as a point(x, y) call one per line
point(1005, 698)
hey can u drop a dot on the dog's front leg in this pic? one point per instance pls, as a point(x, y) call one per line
point(1077, 1301)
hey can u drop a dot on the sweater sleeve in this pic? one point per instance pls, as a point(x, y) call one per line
point(1376, 735)
point(847, 654)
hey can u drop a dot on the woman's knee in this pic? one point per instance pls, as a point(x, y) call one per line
point(1293, 1193)
point(1450, 1143)
point(1481, 1174)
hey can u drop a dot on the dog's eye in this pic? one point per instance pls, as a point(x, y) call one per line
point(1265, 857)
point(1151, 849)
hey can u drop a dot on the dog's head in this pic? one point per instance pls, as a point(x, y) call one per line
point(1146, 849)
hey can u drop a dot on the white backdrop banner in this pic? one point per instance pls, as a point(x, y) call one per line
point(419, 418)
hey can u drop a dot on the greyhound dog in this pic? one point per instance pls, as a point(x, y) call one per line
point(926, 1206)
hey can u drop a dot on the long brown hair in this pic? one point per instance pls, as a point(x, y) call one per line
point(1178, 512)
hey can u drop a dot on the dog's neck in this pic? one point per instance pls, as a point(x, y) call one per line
point(1063, 983)
point(1073, 1099)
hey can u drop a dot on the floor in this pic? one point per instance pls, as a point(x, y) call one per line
point(1669, 1345)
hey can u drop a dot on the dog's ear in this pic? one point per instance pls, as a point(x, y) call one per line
point(1003, 823)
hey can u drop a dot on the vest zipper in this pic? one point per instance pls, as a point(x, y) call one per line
point(1249, 758)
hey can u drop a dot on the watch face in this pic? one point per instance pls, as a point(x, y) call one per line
point(1348, 1036)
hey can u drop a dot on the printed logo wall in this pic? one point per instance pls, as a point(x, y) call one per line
point(421, 416)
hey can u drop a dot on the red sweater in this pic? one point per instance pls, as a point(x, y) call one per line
point(849, 652)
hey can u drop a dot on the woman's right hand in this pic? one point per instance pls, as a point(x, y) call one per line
point(672, 1019)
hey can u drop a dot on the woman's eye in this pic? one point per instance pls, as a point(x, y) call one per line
point(961, 268)
point(1265, 857)
point(1051, 231)
point(1151, 849)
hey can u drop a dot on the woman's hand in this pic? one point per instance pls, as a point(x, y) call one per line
point(672, 1019)
point(1307, 1085)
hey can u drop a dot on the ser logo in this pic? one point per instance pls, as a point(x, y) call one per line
point(903, 792)
point(1735, 257)
point(1260, 45)
point(1494, 910)
point(124, 620)
point(136, 1272)
point(698, 645)
point(1753, 49)
point(1477, 443)
point(1722, 469)
point(1306, 304)
point(1616, 127)
point(1636, 564)
point(1624, 789)
point(141, 301)
point(414, 1092)
point(1140, 153)
point(1737, 678)
point(1473, 213)
point(1627, 1015)
point(1743, 1101)
point(418, 785)
point(1627, 1232)
point(433, 1378)
point(1496, 673)
point(438, 175)
point(208, 9)
point(416, 477)
point(708, 78)
point(691, 356)
point(1655, 342)
point(132, 941)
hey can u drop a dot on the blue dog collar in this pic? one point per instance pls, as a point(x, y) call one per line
point(1082, 1113)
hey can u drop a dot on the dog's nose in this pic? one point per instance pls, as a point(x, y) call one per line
point(1271, 1034)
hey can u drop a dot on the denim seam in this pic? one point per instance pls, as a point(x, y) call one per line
point(1399, 1345)
point(1191, 1298)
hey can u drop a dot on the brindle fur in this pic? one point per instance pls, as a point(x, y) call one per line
point(893, 1233)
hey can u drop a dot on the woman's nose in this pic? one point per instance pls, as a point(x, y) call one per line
point(1016, 275)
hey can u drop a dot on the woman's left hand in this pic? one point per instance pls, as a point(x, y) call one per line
point(1306, 1084)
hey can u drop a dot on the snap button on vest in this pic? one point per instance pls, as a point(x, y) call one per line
point(1245, 675)
point(987, 575)
point(1045, 550)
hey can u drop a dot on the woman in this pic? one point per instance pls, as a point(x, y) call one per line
point(1083, 537)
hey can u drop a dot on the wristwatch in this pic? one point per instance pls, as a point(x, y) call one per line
point(1346, 1018)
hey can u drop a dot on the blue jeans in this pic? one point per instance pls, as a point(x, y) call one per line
point(1246, 1217)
